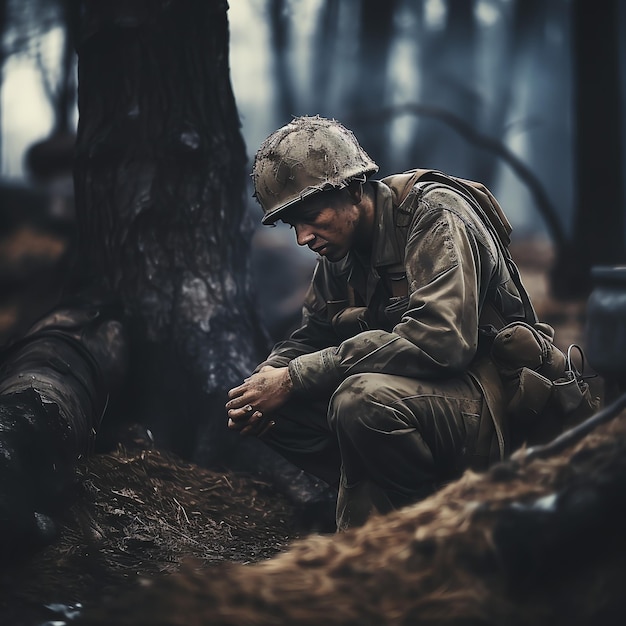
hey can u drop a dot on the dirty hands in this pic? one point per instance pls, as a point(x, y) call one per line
point(252, 402)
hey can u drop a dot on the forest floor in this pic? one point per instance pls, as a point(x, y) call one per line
point(141, 512)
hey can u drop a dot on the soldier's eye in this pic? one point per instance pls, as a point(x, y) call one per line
point(310, 216)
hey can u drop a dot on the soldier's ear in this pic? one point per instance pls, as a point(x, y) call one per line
point(355, 189)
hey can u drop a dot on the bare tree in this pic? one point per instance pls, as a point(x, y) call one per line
point(520, 26)
point(3, 21)
point(159, 179)
point(325, 56)
point(53, 156)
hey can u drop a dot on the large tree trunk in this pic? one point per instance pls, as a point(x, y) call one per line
point(159, 178)
point(162, 270)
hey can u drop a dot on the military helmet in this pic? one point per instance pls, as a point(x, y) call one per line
point(308, 155)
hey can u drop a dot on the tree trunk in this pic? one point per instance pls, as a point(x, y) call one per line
point(3, 23)
point(371, 90)
point(598, 237)
point(159, 178)
point(279, 29)
point(325, 59)
point(161, 281)
point(66, 92)
point(448, 62)
point(55, 385)
point(521, 26)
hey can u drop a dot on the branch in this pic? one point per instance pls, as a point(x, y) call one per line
point(544, 205)
point(577, 433)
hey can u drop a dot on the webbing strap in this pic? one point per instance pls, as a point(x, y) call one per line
point(500, 230)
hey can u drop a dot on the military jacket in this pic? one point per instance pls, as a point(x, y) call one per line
point(436, 246)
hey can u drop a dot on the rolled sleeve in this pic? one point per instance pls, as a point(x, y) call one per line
point(317, 370)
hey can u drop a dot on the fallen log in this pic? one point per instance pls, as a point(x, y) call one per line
point(535, 540)
point(55, 384)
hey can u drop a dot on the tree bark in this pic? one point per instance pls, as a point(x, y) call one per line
point(159, 178)
point(160, 304)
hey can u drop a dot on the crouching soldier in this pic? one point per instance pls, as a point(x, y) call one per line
point(387, 390)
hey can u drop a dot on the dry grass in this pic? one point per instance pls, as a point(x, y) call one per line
point(141, 513)
point(530, 542)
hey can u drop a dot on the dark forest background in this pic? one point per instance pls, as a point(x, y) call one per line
point(526, 96)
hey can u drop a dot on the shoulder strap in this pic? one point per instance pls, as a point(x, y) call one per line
point(401, 184)
point(486, 207)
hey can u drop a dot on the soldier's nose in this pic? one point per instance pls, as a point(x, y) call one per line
point(304, 236)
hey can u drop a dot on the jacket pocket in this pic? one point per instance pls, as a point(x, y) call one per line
point(396, 309)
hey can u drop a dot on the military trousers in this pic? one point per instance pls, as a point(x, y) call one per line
point(385, 441)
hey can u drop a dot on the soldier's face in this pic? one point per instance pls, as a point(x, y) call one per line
point(328, 225)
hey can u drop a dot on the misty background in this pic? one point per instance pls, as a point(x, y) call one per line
point(481, 89)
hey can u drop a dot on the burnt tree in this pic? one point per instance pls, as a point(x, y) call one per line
point(159, 180)
point(158, 321)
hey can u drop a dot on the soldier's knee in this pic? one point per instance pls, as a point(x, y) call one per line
point(354, 405)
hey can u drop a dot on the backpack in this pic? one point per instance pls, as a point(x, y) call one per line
point(544, 391)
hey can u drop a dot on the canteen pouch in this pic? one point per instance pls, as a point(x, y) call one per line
point(571, 393)
point(545, 392)
point(530, 395)
point(520, 345)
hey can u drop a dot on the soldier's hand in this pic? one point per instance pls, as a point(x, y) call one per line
point(252, 402)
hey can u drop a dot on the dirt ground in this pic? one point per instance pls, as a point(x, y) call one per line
point(141, 512)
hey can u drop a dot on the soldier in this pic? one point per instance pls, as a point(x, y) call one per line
point(387, 390)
